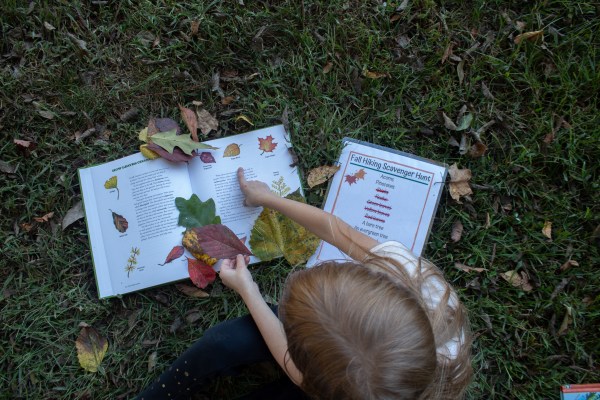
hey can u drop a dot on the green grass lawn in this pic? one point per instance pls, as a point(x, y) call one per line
point(68, 66)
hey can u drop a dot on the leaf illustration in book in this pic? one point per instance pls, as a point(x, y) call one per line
point(132, 260)
point(232, 150)
point(280, 188)
point(274, 235)
point(111, 183)
point(120, 222)
point(173, 255)
point(207, 157)
point(360, 174)
point(267, 145)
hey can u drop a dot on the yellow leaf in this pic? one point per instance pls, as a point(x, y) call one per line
point(91, 348)
point(232, 150)
point(244, 118)
point(547, 229)
point(143, 135)
point(146, 152)
point(321, 174)
point(375, 75)
point(531, 36)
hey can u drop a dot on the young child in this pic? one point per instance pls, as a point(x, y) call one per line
point(385, 326)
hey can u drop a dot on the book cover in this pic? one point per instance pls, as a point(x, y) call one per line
point(587, 391)
point(384, 193)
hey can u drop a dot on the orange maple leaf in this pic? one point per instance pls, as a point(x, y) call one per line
point(266, 144)
point(360, 174)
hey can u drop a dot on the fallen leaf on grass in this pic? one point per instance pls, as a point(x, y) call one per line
point(520, 281)
point(44, 218)
point(567, 320)
point(447, 52)
point(321, 174)
point(465, 122)
point(206, 122)
point(375, 75)
point(459, 182)
point(191, 291)
point(169, 140)
point(466, 268)
point(245, 119)
point(327, 68)
point(173, 255)
point(457, 230)
point(91, 348)
point(448, 123)
point(194, 27)
point(46, 114)
point(49, 26)
point(201, 273)
point(531, 36)
point(152, 361)
point(477, 150)
point(7, 168)
point(129, 115)
point(547, 229)
point(177, 323)
point(191, 121)
point(80, 43)
point(75, 213)
point(227, 100)
point(568, 264)
point(25, 146)
point(486, 91)
point(460, 71)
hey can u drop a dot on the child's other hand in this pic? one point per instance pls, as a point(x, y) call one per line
point(255, 191)
point(235, 275)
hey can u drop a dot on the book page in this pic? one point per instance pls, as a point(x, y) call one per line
point(132, 221)
point(263, 154)
point(385, 194)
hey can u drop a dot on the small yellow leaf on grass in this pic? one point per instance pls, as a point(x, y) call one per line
point(531, 36)
point(459, 182)
point(520, 281)
point(321, 174)
point(375, 75)
point(91, 348)
point(547, 229)
point(244, 118)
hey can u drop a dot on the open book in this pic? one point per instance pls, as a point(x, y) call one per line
point(384, 193)
point(130, 204)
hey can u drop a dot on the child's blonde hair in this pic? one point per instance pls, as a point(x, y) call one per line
point(364, 331)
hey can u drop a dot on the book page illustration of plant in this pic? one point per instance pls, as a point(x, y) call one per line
point(280, 187)
point(112, 184)
point(360, 174)
point(132, 260)
point(120, 222)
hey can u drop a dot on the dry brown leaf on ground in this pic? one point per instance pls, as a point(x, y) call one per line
point(75, 213)
point(567, 320)
point(466, 268)
point(191, 291)
point(547, 229)
point(568, 264)
point(195, 24)
point(477, 150)
point(191, 121)
point(375, 75)
point(457, 230)
point(327, 68)
point(45, 217)
point(206, 122)
point(517, 280)
point(459, 182)
point(531, 36)
point(448, 123)
point(152, 361)
point(321, 174)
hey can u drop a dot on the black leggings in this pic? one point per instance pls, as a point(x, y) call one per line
point(222, 351)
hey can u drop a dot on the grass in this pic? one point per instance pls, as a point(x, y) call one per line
point(143, 55)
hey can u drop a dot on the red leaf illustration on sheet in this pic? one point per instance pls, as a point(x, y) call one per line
point(218, 241)
point(201, 273)
point(266, 144)
point(173, 255)
point(120, 222)
point(350, 179)
point(207, 158)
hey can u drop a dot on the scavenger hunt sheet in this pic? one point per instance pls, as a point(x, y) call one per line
point(385, 194)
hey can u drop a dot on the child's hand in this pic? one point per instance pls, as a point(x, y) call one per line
point(235, 275)
point(255, 191)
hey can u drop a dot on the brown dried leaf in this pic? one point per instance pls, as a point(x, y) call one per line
point(75, 213)
point(448, 123)
point(460, 71)
point(477, 150)
point(459, 182)
point(321, 174)
point(531, 36)
point(152, 361)
point(457, 230)
point(547, 229)
point(7, 168)
point(466, 268)
point(486, 91)
point(191, 291)
point(206, 122)
point(194, 27)
point(568, 264)
point(227, 100)
point(46, 114)
point(44, 218)
point(567, 320)
point(327, 68)
point(447, 52)
point(191, 121)
point(520, 281)
point(375, 75)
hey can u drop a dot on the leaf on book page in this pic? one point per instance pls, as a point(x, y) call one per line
point(91, 348)
point(191, 121)
point(177, 156)
point(192, 244)
point(274, 235)
point(169, 140)
point(173, 255)
point(120, 222)
point(194, 213)
point(201, 273)
point(191, 291)
point(321, 174)
point(266, 144)
point(218, 241)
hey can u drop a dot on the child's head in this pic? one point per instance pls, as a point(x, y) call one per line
point(357, 332)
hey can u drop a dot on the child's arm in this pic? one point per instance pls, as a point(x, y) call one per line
point(235, 274)
point(326, 226)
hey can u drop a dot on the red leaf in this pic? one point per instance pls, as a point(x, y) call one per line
point(177, 156)
point(218, 241)
point(266, 144)
point(201, 274)
point(191, 121)
point(350, 179)
point(174, 254)
point(207, 158)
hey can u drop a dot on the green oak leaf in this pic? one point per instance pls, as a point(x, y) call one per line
point(465, 122)
point(194, 213)
point(170, 139)
point(275, 235)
